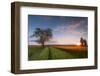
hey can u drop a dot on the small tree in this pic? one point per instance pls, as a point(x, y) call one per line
point(83, 42)
point(42, 35)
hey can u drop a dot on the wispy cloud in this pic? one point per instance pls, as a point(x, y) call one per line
point(64, 41)
point(70, 29)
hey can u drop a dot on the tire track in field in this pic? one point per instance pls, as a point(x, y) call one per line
point(42, 55)
point(49, 54)
point(59, 54)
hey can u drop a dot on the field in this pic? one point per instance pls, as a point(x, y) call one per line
point(51, 52)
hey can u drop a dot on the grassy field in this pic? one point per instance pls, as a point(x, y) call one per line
point(56, 52)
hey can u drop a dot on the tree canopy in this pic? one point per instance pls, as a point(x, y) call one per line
point(42, 35)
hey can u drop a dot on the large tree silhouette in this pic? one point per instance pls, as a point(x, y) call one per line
point(42, 35)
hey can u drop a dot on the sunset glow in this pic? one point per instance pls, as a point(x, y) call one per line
point(78, 44)
point(66, 30)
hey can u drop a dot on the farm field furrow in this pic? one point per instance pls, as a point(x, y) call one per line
point(55, 52)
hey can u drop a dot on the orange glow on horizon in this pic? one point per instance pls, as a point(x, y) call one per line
point(78, 44)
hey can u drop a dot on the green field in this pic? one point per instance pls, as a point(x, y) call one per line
point(56, 52)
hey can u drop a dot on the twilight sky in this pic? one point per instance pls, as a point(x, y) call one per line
point(67, 30)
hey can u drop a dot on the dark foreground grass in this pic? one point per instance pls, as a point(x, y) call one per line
point(76, 53)
point(50, 53)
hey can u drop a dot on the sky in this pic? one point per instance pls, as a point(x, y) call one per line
point(67, 30)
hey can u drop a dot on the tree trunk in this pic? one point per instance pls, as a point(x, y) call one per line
point(43, 44)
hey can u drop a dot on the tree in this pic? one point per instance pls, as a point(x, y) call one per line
point(42, 35)
point(83, 42)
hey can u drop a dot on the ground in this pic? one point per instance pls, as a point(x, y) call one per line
point(56, 52)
